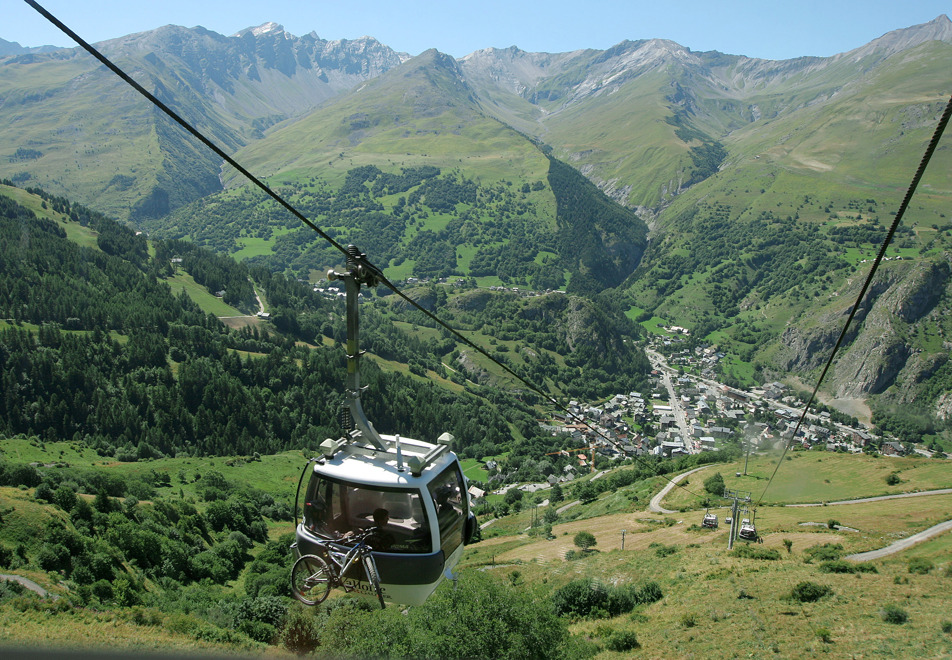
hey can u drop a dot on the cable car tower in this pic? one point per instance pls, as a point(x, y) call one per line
point(742, 528)
point(419, 485)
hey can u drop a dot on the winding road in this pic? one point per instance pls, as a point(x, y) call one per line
point(655, 504)
point(898, 546)
point(902, 544)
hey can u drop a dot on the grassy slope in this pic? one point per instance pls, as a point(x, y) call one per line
point(624, 136)
point(421, 117)
point(701, 613)
point(71, 160)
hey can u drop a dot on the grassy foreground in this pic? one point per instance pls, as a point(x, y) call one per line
point(716, 603)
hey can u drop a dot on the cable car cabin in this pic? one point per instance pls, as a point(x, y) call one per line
point(747, 531)
point(710, 520)
point(421, 488)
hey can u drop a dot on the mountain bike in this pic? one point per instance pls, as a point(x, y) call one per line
point(314, 575)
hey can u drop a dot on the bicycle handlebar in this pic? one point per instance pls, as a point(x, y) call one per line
point(356, 538)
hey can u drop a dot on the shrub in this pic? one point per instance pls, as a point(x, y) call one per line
point(894, 614)
point(755, 552)
point(809, 592)
point(715, 484)
point(301, 632)
point(832, 523)
point(688, 620)
point(824, 635)
point(920, 566)
point(622, 640)
point(825, 552)
point(585, 540)
point(843, 566)
point(649, 592)
point(580, 598)
point(622, 598)
point(892, 478)
point(663, 550)
point(258, 631)
point(946, 627)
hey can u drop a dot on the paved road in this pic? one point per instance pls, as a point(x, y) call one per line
point(677, 409)
point(29, 584)
point(941, 491)
point(902, 544)
point(655, 504)
point(898, 546)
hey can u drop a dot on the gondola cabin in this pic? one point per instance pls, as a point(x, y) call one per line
point(748, 531)
point(421, 488)
point(414, 492)
point(710, 521)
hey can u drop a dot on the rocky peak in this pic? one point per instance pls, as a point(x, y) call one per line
point(268, 28)
point(938, 29)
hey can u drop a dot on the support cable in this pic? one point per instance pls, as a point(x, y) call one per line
point(359, 259)
point(926, 157)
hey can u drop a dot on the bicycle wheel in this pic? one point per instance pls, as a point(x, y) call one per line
point(310, 579)
point(370, 567)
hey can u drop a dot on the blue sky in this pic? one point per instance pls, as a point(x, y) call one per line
point(766, 28)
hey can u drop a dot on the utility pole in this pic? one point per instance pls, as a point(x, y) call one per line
point(747, 456)
point(622, 539)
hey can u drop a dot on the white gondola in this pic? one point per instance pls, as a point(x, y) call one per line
point(420, 486)
point(710, 521)
point(748, 531)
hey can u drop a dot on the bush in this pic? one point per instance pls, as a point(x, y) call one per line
point(586, 597)
point(301, 632)
point(824, 635)
point(715, 484)
point(622, 640)
point(580, 598)
point(892, 478)
point(755, 552)
point(825, 552)
point(920, 566)
point(809, 592)
point(508, 622)
point(843, 566)
point(894, 614)
point(585, 540)
point(946, 627)
point(649, 592)
point(258, 631)
point(663, 550)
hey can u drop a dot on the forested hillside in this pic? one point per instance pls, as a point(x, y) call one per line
point(97, 349)
point(431, 224)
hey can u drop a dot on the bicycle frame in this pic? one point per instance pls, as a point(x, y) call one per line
point(332, 561)
point(342, 556)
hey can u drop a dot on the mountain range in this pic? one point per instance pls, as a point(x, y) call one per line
point(766, 184)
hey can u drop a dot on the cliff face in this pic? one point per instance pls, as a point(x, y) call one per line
point(877, 352)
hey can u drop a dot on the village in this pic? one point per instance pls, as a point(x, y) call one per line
point(688, 413)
